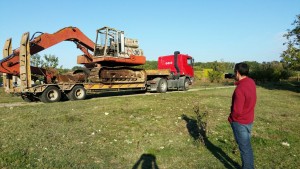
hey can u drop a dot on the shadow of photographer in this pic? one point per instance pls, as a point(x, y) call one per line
point(199, 134)
point(146, 161)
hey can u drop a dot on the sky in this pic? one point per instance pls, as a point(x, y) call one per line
point(208, 30)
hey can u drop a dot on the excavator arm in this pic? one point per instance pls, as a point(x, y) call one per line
point(10, 62)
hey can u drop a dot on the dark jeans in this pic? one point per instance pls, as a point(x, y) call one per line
point(242, 135)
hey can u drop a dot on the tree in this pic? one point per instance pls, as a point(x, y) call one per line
point(269, 72)
point(291, 56)
point(36, 60)
point(50, 61)
point(46, 62)
point(217, 73)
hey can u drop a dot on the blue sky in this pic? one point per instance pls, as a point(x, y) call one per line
point(210, 30)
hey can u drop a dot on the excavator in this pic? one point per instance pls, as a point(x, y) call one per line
point(116, 50)
point(108, 66)
point(112, 53)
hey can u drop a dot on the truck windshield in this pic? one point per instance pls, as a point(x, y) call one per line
point(190, 61)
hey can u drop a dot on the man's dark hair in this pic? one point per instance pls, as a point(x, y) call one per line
point(242, 68)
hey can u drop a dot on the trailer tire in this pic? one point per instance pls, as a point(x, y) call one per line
point(186, 84)
point(50, 94)
point(77, 93)
point(162, 86)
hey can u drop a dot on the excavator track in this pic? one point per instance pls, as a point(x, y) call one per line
point(117, 75)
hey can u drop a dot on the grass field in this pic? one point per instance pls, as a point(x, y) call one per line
point(136, 131)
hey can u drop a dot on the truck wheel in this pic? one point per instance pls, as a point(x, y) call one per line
point(51, 94)
point(77, 93)
point(186, 84)
point(162, 86)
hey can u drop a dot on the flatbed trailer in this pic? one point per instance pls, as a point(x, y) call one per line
point(158, 82)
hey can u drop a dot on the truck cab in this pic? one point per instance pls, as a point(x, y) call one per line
point(175, 72)
point(179, 65)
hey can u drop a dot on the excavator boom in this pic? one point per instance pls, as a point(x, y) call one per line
point(10, 64)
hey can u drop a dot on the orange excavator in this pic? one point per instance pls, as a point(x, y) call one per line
point(105, 53)
point(110, 50)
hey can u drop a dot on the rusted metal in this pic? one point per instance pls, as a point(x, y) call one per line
point(25, 73)
point(103, 71)
point(7, 49)
point(71, 78)
point(116, 75)
point(7, 79)
point(132, 60)
point(122, 75)
point(11, 65)
point(94, 75)
point(114, 86)
point(112, 47)
point(161, 72)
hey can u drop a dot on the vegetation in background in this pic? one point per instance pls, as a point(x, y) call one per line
point(269, 71)
point(47, 61)
point(291, 56)
point(149, 65)
point(262, 72)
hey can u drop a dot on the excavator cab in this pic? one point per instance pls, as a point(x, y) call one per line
point(112, 43)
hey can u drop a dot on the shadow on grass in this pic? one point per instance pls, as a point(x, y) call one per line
point(199, 135)
point(106, 94)
point(115, 93)
point(146, 161)
point(290, 86)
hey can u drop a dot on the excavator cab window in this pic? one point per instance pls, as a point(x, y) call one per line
point(109, 42)
point(112, 43)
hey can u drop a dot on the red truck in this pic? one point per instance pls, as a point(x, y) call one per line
point(175, 72)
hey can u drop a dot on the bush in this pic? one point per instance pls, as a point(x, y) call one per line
point(215, 76)
point(270, 72)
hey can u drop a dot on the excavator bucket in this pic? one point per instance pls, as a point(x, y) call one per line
point(7, 79)
point(25, 73)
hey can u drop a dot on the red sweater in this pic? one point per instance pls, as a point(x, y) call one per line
point(243, 102)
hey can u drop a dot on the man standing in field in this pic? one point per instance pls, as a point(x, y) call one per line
point(242, 113)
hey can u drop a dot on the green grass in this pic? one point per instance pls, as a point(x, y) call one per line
point(119, 132)
point(8, 98)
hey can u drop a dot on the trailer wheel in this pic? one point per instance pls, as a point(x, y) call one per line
point(186, 84)
point(51, 94)
point(77, 93)
point(162, 86)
